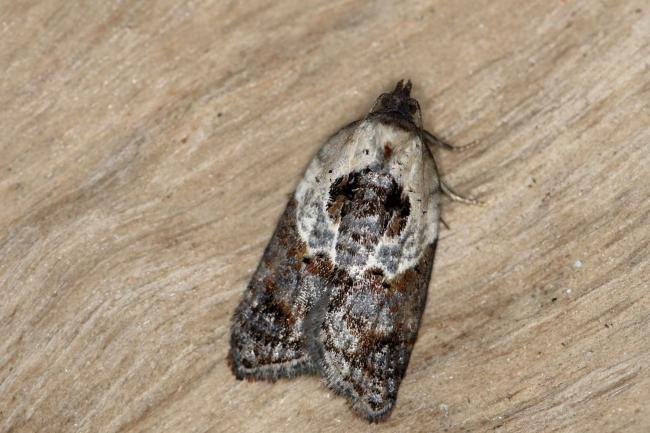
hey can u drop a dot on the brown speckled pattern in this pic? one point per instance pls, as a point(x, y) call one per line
point(344, 296)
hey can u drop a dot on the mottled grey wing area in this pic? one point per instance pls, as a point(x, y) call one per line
point(370, 322)
point(365, 205)
point(368, 333)
point(267, 337)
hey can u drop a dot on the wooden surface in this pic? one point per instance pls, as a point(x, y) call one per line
point(148, 148)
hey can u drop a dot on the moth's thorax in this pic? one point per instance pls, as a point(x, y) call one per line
point(389, 233)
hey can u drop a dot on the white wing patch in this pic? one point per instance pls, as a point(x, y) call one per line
point(355, 148)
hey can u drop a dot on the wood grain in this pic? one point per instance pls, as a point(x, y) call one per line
point(148, 148)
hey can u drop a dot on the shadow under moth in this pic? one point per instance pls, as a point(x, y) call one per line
point(342, 284)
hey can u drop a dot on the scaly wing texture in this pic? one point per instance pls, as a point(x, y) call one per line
point(268, 339)
point(367, 336)
point(370, 323)
point(342, 285)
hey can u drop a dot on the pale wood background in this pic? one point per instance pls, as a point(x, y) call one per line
point(147, 149)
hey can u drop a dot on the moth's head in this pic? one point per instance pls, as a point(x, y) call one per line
point(398, 103)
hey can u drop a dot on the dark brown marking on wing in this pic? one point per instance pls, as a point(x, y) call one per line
point(369, 371)
point(388, 151)
point(268, 339)
point(365, 205)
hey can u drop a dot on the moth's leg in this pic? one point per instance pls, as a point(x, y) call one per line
point(432, 140)
point(454, 196)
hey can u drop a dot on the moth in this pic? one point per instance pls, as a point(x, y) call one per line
point(342, 284)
